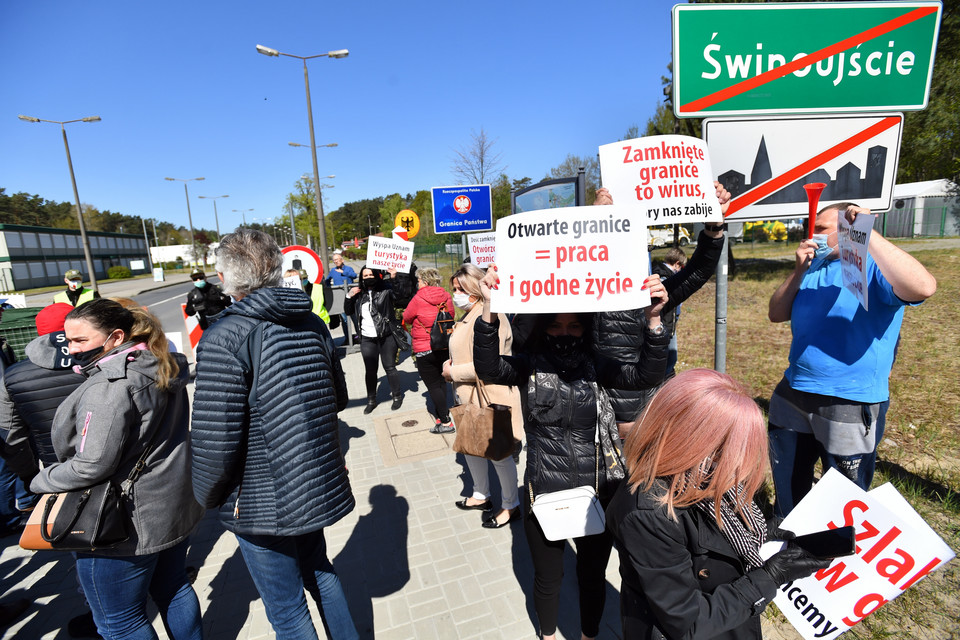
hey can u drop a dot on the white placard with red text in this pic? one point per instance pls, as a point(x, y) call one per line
point(483, 248)
point(661, 179)
point(854, 240)
point(895, 549)
point(569, 260)
point(389, 253)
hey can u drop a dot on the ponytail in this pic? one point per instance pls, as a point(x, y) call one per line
point(146, 328)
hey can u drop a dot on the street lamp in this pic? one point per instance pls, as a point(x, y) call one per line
point(243, 212)
point(307, 146)
point(76, 194)
point(339, 53)
point(215, 218)
point(193, 241)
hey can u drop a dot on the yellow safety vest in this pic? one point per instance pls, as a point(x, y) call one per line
point(316, 295)
point(85, 297)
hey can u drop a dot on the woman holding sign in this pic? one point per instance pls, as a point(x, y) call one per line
point(371, 304)
point(685, 523)
point(569, 423)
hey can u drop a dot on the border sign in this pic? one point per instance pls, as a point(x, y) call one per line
point(837, 57)
point(764, 162)
point(571, 259)
point(463, 208)
point(307, 258)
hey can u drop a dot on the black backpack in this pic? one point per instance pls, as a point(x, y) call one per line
point(441, 329)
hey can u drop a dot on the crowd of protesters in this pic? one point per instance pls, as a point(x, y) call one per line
point(675, 460)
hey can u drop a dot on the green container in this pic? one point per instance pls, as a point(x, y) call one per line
point(18, 327)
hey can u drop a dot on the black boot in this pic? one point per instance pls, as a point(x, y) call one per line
point(397, 401)
point(371, 405)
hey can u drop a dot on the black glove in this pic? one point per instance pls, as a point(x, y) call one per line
point(774, 532)
point(792, 564)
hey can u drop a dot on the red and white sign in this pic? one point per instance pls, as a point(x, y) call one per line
point(194, 332)
point(895, 549)
point(389, 253)
point(308, 260)
point(462, 204)
point(661, 179)
point(571, 259)
point(764, 162)
point(483, 249)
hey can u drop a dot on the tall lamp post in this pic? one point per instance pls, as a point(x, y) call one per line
point(339, 53)
point(319, 189)
point(76, 194)
point(243, 212)
point(215, 218)
point(193, 241)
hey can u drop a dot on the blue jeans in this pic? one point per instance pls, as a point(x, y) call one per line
point(117, 590)
point(793, 456)
point(281, 567)
point(14, 499)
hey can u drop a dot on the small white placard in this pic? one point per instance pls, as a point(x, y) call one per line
point(389, 253)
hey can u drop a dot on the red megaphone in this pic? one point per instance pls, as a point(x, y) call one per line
point(814, 189)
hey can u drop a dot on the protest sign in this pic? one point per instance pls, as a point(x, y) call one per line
point(853, 240)
point(895, 549)
point(572, 259)
point(389, 253)
point(483, 249)
point(664, 179)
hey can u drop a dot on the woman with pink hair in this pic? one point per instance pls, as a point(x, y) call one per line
point(685, 522)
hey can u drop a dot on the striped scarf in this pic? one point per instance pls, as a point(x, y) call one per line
point(745, 540)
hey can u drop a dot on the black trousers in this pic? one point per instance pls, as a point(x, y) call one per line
point(384, 349)
point(430, 367)
point(593, 554)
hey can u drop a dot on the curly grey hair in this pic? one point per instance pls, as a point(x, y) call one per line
point(248, 260)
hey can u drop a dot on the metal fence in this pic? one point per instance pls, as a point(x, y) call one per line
point(915, 222)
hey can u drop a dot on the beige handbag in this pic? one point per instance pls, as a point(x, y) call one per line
point(484, 431)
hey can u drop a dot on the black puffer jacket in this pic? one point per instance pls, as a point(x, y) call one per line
point(620, 334)
point(682, 579)
point(561, 412)
point(31, 392)
point(206, 302)
point(381, 308)
point(266, 444)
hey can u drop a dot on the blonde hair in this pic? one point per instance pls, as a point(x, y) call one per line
point(701, 435)
point(147, 329)
point(430, 276)
point(468, 276)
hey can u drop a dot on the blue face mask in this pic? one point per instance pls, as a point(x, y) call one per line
point(822, 251)
point(199, 283)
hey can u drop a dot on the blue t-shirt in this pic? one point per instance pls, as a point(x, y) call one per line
point(347, 277)
point(838, 348)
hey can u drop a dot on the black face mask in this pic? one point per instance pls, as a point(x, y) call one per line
point(369, 283)
point(563, 346)
point(86, 357)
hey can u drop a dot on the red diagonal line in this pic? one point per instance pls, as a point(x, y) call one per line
point(775, 184)
point(771, 75)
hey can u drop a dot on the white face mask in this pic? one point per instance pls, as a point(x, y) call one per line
point(462, 300)
point(74, 285)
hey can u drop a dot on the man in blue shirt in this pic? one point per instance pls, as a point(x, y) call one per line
point(832, 401)
point(343, 274)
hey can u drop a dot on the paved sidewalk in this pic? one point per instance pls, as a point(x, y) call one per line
point(412, 565)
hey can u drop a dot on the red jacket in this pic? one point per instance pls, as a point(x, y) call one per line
point(422, 311)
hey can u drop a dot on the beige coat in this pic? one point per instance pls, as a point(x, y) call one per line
point(465, 376)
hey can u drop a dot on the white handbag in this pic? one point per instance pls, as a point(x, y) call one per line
point(571, 513)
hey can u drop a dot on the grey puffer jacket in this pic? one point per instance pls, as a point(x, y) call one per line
point(266, 441)
point(100, 431)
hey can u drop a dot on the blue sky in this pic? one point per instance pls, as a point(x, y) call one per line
point(183, 93)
